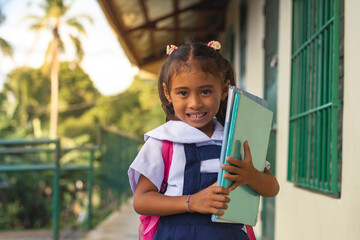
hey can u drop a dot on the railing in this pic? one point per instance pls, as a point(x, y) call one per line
point(13, 150)
point(18, 147)
point(108, 173)
point(89, 168)
point(118, 151)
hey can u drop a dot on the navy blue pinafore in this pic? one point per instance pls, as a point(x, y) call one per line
point(196, 226)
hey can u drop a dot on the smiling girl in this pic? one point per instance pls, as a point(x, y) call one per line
point(193, 86)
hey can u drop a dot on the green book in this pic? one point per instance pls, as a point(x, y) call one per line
point(249, 121)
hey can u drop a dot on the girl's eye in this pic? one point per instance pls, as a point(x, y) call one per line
point(182, 93)
point(205, 92)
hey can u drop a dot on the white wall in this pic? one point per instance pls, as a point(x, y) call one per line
point(351, 128)
point(283, 213)
point(302, 214)
point(254, 44)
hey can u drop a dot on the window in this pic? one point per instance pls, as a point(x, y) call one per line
point(316, 95)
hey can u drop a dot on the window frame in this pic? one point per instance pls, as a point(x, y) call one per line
point(314, 160)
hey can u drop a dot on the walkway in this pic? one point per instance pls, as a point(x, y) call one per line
point(120, 225)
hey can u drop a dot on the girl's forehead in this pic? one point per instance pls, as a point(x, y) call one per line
point(185, 69)
point(192, 67)
point(195, 74)
point(194, 78)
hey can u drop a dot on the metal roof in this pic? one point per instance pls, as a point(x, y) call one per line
point(145, 27)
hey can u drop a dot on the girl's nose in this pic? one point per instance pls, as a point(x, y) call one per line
point(195, 102)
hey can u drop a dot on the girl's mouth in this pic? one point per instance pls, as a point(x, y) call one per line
point(196, 116)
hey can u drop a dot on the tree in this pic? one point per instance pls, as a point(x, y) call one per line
point(136, 111)
point(26, 96)
point(54, 16)
point(27, 93)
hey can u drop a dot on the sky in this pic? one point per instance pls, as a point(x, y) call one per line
point(104, 60)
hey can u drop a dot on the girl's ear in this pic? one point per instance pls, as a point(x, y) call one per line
point(166, 92)
point(225, 89)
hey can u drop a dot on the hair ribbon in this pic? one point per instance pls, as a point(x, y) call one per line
point(170, 49)
point(215, 45)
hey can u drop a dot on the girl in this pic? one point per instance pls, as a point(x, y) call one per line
point(193, 86)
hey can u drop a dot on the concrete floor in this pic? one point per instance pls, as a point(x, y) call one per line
point(120, 225)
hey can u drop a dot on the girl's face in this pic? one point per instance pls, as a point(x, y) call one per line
point(196, 97)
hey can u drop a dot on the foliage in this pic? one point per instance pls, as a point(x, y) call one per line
point(146, 114)
point(26, 96)
point(25, 101)
point(24, 105)
point(27, 91)
point(30, 208)
point(25, 198)
point(77, 92)
point(53, 17)
point(137, 110)
point(5, 47)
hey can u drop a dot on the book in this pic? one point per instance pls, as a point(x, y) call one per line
point(247, 119)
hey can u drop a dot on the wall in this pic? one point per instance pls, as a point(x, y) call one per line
point(255, 51)
point(232, 21)
point(302, 214)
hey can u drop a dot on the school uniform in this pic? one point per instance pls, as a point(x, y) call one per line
point(195, 164)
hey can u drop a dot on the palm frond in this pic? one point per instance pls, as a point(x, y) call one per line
point(78, 47)
point(32, 17)
point(6, 48)
point(38, 26)
point(56, 8)
point(38, 22)
point(78, 26)
point(82, 17)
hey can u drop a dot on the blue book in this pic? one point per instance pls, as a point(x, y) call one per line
point(231, 94)
point(247, 119)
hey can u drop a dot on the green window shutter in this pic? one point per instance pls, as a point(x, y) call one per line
point(314, 160)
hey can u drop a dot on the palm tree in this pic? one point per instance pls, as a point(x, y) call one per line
point(5, 47)
point(53, 17)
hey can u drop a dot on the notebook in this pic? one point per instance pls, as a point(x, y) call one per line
point(247, 119)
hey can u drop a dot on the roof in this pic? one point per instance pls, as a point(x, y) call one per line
point(145, 27)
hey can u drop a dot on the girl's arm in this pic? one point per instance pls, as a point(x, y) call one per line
point(244, 172)
point(147, 200)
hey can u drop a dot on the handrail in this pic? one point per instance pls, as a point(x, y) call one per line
point(49, 166)
point(117, 151)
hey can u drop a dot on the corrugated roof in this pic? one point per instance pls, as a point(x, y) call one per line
point(145, 27)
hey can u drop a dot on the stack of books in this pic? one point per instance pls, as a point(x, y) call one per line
point(247, 119)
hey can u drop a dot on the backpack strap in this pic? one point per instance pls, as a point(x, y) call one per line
point(250, 232)
point(149, 224)
point(167, 153)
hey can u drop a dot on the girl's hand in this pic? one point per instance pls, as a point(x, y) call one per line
point(242, 172)
point(210, 200)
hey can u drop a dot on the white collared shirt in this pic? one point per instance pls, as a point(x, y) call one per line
point(149, 160)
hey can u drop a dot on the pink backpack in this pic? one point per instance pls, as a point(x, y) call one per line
point(149, 224)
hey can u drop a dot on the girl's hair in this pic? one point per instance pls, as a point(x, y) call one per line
point(207, 59)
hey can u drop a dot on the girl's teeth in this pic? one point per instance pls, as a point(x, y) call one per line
point(197, 115)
